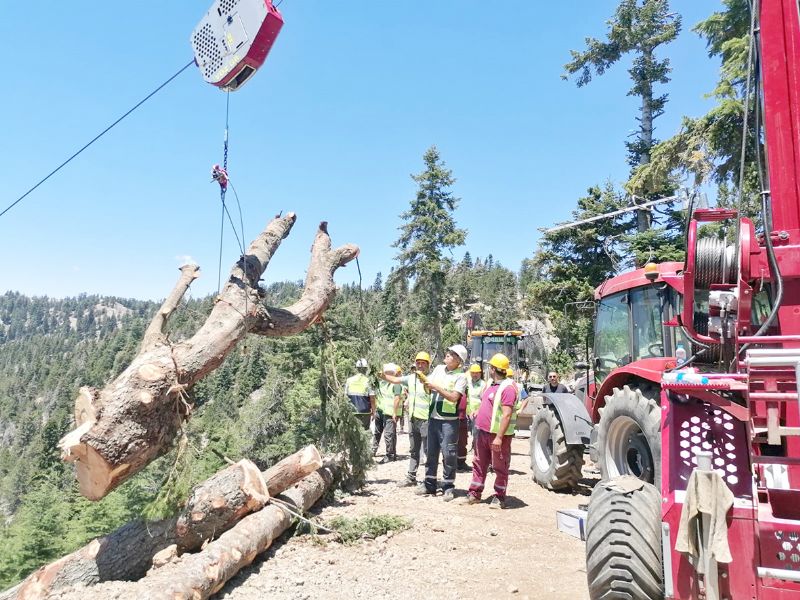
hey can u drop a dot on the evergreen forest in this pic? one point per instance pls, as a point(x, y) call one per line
point(274, 395)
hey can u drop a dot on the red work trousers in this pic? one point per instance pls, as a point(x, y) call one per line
point(463, 430)
point(485, 455)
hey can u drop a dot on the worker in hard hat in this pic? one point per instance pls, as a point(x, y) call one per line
point(419, 404)
point(494, 429)
point(359, 389)
point(389, 409)
point(448, 386)
point(474, 391)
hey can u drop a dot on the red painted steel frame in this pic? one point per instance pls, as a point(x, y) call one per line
point(763, 529)
point(262, 44)
point(760, 534)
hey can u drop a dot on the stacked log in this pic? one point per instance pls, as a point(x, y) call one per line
point(199, 575)
point(214, 506)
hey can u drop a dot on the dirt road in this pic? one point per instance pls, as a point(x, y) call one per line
point(451, 551)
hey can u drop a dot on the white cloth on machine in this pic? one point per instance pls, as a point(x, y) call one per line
point(706, 493)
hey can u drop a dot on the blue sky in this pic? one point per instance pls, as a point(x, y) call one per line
point(330, 128)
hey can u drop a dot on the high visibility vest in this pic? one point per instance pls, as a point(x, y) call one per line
point(357, 389)
point(442, 407)
point(419, 401)
point(474, 392)
point(386, 401)
point(497, 410)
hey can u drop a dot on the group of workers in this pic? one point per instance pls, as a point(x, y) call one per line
point(444, 404)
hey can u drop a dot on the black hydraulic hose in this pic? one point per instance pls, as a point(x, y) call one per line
point(766, 212)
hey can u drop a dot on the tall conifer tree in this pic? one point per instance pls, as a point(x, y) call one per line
point(429, 229)
point(638, 27)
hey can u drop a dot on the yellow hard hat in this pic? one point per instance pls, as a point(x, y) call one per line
point(500, 361)
point(509, 372)
point(476, 368)
point(423, 356)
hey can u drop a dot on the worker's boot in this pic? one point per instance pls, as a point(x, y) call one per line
point(469, 499)
point(497, 503)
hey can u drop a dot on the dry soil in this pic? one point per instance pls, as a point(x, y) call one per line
point(451, 551)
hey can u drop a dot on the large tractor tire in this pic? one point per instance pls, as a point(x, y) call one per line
point(623, 544)
point(555, 464)
point(629, 435)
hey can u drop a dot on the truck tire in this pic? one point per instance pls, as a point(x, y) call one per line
point(629, 435)
point(555, 464)
point(623, 544)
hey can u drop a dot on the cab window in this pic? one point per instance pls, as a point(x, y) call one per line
point(648, 331)
point(612, 335)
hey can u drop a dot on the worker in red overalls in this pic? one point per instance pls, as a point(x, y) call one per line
point(494, 430)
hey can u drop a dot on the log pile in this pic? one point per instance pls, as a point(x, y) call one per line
point(218, 505)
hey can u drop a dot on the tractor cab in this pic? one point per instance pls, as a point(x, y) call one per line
point(635, 329)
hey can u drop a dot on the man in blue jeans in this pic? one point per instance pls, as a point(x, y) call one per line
point(447, 384)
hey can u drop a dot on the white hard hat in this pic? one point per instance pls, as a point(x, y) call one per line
point(390, 368)
point(361, 363)
point(459, 351)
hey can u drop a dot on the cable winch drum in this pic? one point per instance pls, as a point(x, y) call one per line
point(233, 39)
point(714, 263)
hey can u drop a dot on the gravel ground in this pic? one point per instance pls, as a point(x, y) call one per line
point(451, 551)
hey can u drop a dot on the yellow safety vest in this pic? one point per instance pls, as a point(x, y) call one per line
point(387, 395)
point(442, 407)
point(419, 401)
point(497, 410)
point(357, 389)
point(474, 392)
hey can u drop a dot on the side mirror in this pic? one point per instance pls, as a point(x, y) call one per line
point(581, 366)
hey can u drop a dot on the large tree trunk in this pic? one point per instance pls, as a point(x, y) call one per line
point(645, 136)
point(200, 575)
point(135, 418)
point(214, 506)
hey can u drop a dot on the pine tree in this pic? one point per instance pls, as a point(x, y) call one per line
point(377, 285)
point(429, 229)
point(638, 27)
point(709, 147)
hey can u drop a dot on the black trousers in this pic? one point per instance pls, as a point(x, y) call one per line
point(385, 426)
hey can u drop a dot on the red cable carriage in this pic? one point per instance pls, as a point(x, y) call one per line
point(233, 39)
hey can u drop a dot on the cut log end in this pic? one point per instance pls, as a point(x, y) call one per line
point(96, 477)
point(310, 458)
point(253, 484)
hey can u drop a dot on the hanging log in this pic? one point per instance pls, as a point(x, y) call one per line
point(204, 573)
point(135, 418)
point(127, 553)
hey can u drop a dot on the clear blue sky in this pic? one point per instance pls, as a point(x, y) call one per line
point(331, 127)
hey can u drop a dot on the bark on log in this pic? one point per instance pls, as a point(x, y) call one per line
point(197, 576)
point(127, 553)
point(218, 503)
point(291, 469)
point(135, 418)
